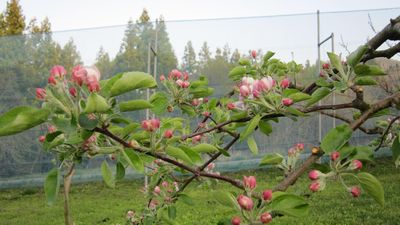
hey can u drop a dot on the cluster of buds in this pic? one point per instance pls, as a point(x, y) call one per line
point(296, 149)
point(181, 79)
point(50, 129)
point(246, 203)
point(151, 125)
point(90, 76)
point(250, 88)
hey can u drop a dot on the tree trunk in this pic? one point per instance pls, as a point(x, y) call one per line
point(67, 186)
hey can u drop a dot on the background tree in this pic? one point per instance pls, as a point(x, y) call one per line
point(189, 62)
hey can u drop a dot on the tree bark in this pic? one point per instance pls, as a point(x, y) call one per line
point(67, 187)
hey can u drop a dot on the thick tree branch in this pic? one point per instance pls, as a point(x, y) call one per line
point(375, 130)
point(386, 132)
point(387, 53)
point(332, 107)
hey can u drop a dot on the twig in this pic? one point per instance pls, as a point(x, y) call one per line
point(385, 132)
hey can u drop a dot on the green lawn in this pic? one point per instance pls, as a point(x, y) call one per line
point(94, 203)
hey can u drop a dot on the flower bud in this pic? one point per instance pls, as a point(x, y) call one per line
point(185, 84)
point(162, 78)
point(285, 83)
point(265, 218)
point(196, 139)
point(72, 91)
point(235, 220)
point(130, 214)
point(93, 86)
point(230, 106)
point(164, 184)
point(355, 191)
point(325, 66)
point(356, 164)
point(206, 113)
point(287, 101)
point(195, 102)
point(321, 74)
point(58, 71)
point(335, 155)
point(153, 204)
point(179, 82)
point(185, 76)
point(42, 138)
point(267, 195)
point(211, 166)
point(52, 80)
point(245, 202)
point(300, 146)
point(244, 91)
point(205, 100)
point(314, 174)
point(151, 125)
point(315, 186)
point(51, 129)
point(40, 93)
point(249, 182)
point(168, 133)
point(176, 74)
point(254, 54)
point(157, 190)
point(78, 75)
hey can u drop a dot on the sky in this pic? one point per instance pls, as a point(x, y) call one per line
point(285, 34)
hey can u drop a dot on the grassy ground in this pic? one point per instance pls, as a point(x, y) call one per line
point(96, 204)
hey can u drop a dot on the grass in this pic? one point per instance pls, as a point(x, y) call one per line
point(94, 203)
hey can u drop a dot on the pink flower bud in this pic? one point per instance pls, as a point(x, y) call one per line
point(249, 182)
point(164, 184)
point(315, 186)
point(356, 164)
point(72, 91)
point(176, 74)
point(52, 80)
point(179, 82)
point(335, 155)
point(314, 174)
point(58, 71)
point(211, 166)
point(247, 81)
point(78, 74)
point(176, 185)
point(168, 133)
point(195, 102)
point(185, 76)
point(300, 146)
point(325, 66)
point(157, 190)
point(245, 202)
point(185, 84)
point(162, 78)
point(206, 113)
point(265, 218)
point(267, 83)
point(151, 125)
point(40, 93)
point(267, 195)
point(205, 100)
point(254, 54)
point(93, 86)
point(42, 138)
point(92, 74)
point(196, 139)
point(153, 204)
point(51, 129)
point(355, 191)
point(244, 90)
point(230, 106)
point(291, 151)
point(235, 220)
point(287, 101)
point(321, 74)
point(285, 83)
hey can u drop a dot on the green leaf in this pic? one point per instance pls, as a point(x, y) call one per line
point(322, 82)
point(396, 148)
point(368, 70)
point(204, 148)
point(294, 111)
point(159, 100)
point(171, 212)
point(288, 91)
point(87, 123)
point(299, 96)
point(244, 62)
point(133, 159)
point(336, 138)
point(372, 187)
point(106, 88)
point(131, 81)
point(363, 153)
point(251, 142)
point(96, 104)
point(289, 204)
point(268, 55)
point(365, 81)
point(319, 94)
point(107, 175)
point(21, 118)
point(186, 199)
point(225, 198)
point(336, 62)
point(134, 105)
point(201, 92)
point(237, 73)
point(52, 186)
point(271, 159)
point(193, 155)
point(178, 154)
point(188, 110)
point(354, 58)
point(120, 171)
point(265, 127)
point(250, 127)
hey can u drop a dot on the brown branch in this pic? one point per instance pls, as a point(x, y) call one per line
point(332, 107)
point(387, 53)
point(375, 130)
point(385, 133)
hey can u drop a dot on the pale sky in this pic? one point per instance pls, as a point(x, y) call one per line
point(283, 34)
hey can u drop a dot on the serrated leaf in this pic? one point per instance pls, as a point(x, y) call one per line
point(130, 81)
point(133, 160)
point(159, 100)
point(271, 159)
point(96, 104)
point(225, 198)
point(251, 142)
point(368, 70)
point(299, 96)
point(252, 124)
point(319, 94)
point(52, 186)
point(107, 175)
point(372, 187)
point(336, 62)
point(204, 148)
point(289, 91)
point(178, 154)
point(354, 58)
point(193, 155)
point(336, 138)
point(289, 205)
point(134, 105)
point(21, 118)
